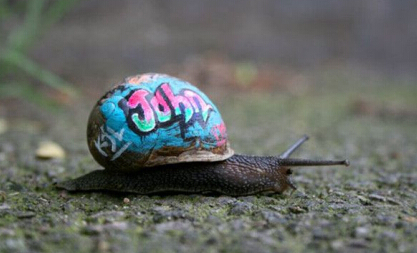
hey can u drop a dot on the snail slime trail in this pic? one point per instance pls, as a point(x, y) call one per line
point(156, 133)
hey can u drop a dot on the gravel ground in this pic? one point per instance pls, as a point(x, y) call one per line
point(370, 206)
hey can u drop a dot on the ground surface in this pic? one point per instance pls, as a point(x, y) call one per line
point(370, 206)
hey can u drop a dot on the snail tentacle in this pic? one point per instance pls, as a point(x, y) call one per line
point(287, 153)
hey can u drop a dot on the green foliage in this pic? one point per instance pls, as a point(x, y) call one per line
point(38, 17)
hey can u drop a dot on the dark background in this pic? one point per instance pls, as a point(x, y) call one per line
point(57, 54)
point(96, 43)
point(102, 39)
point(135, 36)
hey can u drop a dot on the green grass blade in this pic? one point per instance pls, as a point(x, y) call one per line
point(21, 61)
point(24, 36)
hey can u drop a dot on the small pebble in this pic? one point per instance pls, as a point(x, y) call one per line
point(410, 219)
point(25, 215)
point(249, 199)
point(7, 232)
point(4, 206)
point(63, 194)
point(319, 234)
point(393, 201)
point(377, 197)
point(224, 200)
point(97, 229)
point(103, 246)
point(358, 243)
point(211, 241)
point(238, 225)
point(337, 244)
point(389, 235)
point(361, 219)
point(211, 219)
point(162, 216)
point(363, 200)
point(361, 232)
point(112, 214)
point(92, 230)
point(67, 207)
point(49, 150)
point(297, 209)
point(340, 194)
point(240, 208)
point(385, 220)
point(274, 218)
point(178, 226)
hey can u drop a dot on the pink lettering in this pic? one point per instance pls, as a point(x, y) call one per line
point(219, 132)
point(139, 98)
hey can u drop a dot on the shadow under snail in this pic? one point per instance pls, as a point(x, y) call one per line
point(155, 133)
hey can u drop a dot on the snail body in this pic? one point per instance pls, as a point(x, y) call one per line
point(155, 133)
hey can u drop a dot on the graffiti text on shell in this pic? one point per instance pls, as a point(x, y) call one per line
point(164, 105)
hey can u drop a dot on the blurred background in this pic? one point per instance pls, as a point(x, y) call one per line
point(59, 55)
point(343, 72)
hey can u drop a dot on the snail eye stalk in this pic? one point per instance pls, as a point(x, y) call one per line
point(287, 153)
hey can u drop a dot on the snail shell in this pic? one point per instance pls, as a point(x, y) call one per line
point(155, 119)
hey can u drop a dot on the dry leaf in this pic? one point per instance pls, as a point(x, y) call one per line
point(410, 219)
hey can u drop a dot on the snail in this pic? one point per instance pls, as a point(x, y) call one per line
point(155, 133)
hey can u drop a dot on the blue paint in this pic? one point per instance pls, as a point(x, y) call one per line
point(197, 133)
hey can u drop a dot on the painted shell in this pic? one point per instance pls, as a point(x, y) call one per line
point(155, 119)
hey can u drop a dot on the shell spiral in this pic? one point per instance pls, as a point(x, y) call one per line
point(155, 119)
